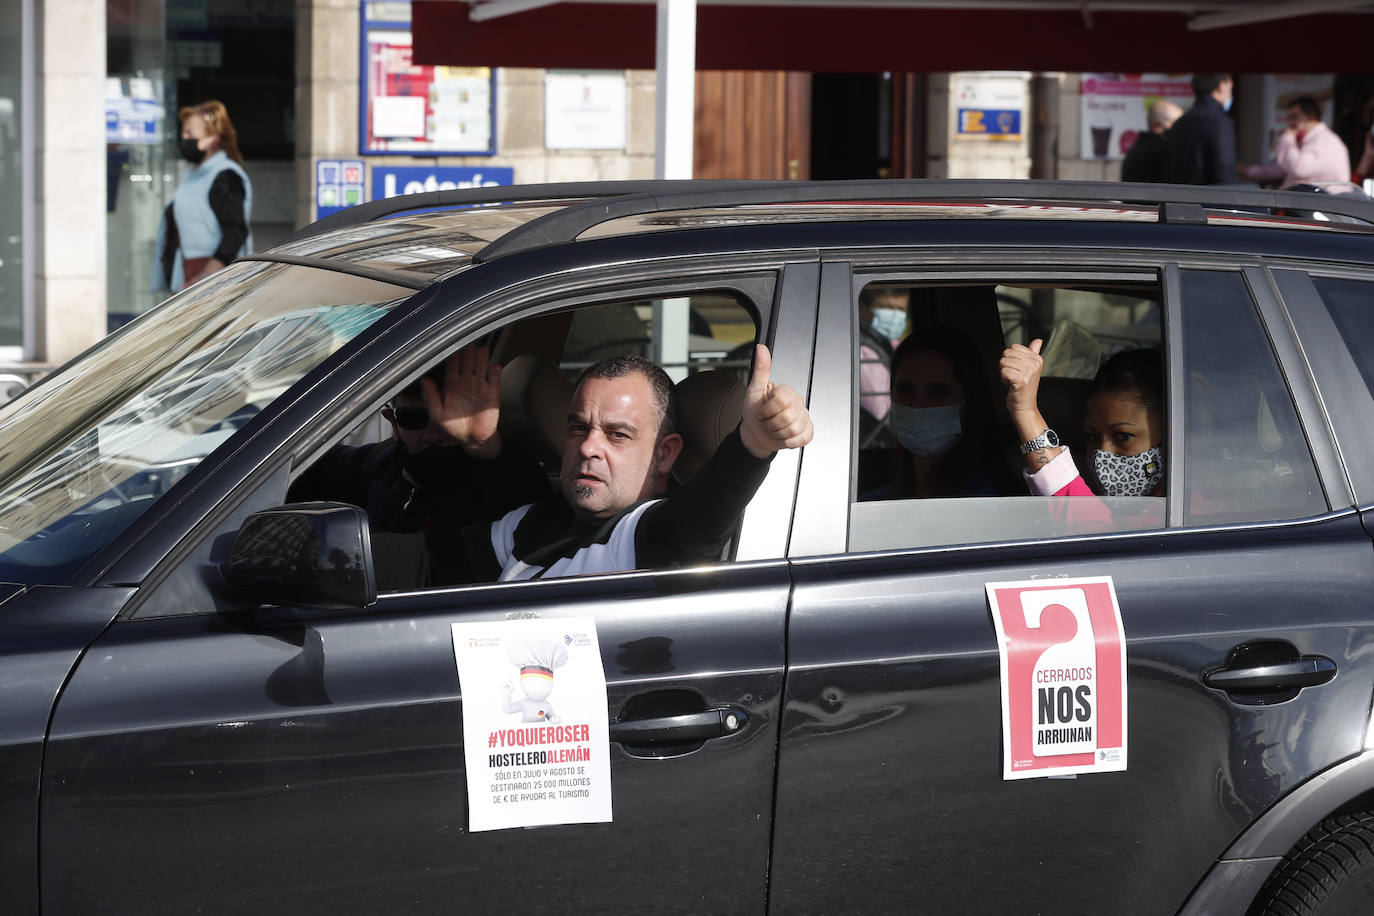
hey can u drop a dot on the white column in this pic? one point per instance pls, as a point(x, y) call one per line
point(672, 340)
point(69, 273)
point(677, 62)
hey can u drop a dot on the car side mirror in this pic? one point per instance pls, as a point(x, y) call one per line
point(313, 555)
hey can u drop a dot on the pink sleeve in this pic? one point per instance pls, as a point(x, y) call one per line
point(1059, 477)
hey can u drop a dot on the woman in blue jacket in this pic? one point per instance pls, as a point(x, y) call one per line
point(206, 225)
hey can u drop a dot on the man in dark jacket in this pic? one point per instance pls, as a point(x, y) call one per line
point(425, 477)
point(1148, 157)
point(1202, 143)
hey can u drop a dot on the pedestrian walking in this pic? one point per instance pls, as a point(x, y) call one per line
point(1307, 150)
point(206, 224)
point(1148, 157)
point(1202, 142)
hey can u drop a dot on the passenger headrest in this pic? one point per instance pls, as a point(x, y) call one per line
point(534, 404)
point(710, 403)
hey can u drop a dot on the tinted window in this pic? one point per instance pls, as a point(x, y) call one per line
point(927, 354)
point(700, 339)
point(1352, 308)
point(1247, 458)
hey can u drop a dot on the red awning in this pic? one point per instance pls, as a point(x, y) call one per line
point(846, 39)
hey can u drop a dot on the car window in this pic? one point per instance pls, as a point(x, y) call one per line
point(1246, 458)
point(937, 460)
point(1352, 308)
point(88, 450)
point(416, 481)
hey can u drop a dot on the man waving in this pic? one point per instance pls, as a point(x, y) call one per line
point(614, 510)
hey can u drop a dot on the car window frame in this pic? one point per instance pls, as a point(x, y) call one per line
point(447, 320)
point(1339, 388)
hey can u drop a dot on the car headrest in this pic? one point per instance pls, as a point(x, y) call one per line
point(534, 404)
point(1062, 402)
point(710, 405)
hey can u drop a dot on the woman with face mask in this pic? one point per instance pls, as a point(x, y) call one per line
point(942, 419)
point(206, 225)
point(1123, 426)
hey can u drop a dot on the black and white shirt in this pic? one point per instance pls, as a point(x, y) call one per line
point(688, 525)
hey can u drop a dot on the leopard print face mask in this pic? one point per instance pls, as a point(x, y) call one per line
point(1128, 475)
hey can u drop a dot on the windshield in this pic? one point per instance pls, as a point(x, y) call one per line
point(87, 451)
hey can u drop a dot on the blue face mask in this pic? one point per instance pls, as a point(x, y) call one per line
point(1226, 105)
point(890, 323)
point(926, 432)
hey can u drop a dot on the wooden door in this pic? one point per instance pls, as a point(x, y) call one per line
point(753, 124)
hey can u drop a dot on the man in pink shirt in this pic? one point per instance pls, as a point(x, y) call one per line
point(1307, 151)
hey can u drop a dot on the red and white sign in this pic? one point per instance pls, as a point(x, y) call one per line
point(1063, 655)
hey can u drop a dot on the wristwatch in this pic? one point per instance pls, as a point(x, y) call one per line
point(1048, 439)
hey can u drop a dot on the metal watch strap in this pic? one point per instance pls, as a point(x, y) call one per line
point(1048, 439)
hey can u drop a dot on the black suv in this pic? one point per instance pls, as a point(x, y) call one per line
point(819, 722)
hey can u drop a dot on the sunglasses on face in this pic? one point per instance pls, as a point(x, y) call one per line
point(411, 416)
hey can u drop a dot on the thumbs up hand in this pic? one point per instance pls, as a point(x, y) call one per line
point(1020, 369)
point(774, 416)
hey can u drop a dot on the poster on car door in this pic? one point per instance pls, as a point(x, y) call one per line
point(535, 737)
point(1063, 660)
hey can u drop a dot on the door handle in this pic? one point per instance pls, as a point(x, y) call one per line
point(1307, 671)
point(694, 726)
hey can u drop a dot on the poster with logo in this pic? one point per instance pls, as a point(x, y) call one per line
point(1114, 108)
point(535, 737)
point(989, 106)
point(420, 110)
point(1063, 661)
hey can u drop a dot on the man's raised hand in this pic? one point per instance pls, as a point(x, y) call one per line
point(470, 405)
point(774, 416)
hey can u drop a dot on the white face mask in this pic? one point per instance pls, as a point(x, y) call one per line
point(890, 323)
point(1128, 475)
point(926, 432)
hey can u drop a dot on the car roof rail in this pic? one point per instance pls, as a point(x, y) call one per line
point(467, 197)
point(640, 198)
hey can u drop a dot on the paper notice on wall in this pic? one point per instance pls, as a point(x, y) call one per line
point(1063, 660)
point(535, 736)
point(398, 116)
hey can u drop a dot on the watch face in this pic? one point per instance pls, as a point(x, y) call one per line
point(1051, 438)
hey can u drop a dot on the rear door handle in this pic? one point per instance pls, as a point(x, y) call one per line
point(695, 726)
point(1307, 671)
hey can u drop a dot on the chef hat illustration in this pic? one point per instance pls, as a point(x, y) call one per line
point(538, 657)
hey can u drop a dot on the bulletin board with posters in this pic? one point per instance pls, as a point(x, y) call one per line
point(1114, 108)
point(419, 110)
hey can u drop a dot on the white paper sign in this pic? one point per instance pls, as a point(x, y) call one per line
point(584, 110)
point(535, 736)
point(1063, 661)
point(398, 116)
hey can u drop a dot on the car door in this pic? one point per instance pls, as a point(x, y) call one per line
point(282, 760)
point(891, 789)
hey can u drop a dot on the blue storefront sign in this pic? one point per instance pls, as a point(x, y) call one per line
point(131, 120)
point(393, 180)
